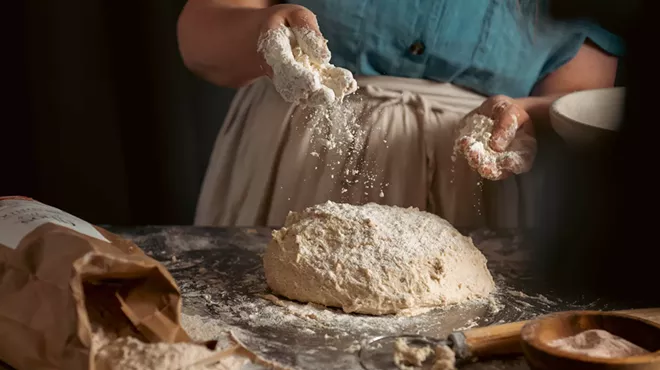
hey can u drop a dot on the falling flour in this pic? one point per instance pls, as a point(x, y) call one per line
point(473, 142)
point(337, 140)
point(302, 72)
point(599, 344)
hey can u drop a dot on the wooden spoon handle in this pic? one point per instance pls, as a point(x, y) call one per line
point(498, 340)
point(488, 341)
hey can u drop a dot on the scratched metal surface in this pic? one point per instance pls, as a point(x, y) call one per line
point(221, 277)
point(220, 274)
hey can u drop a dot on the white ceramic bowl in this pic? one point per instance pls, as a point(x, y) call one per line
point(587, 117)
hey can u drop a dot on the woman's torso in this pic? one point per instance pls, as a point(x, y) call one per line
point(490, 46)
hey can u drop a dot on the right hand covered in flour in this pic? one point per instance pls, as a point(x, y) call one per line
point(302, 22)
point(298, 59)
point(497, 139)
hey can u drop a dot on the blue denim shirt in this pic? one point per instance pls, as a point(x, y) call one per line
point(490, 46)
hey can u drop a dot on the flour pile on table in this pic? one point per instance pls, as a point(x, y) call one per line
point(132, 354)
point(129, 353)
point(302, 72)
point(374, 259)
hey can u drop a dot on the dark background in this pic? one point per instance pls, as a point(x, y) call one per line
point(605, 242)
point(110, 125)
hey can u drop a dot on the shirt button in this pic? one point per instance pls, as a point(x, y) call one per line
point(417, 48)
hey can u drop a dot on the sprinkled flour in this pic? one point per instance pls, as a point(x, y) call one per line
point(302, 72)
point(337, 142)
point(202, 329)
point(473, 143)
point(132, 354)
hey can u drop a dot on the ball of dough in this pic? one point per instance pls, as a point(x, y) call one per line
point(374, 259)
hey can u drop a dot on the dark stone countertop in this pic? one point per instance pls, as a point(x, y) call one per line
point(220, 275)
point(219, 272)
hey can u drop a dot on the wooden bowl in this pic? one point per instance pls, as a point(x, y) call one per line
point(536, 336)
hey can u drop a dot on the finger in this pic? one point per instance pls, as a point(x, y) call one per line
point(322, 96)
point(491, 105)
point(306, 82)
point(513, 163)
point(463, 144)
point(313, 44)
point(502, 110)
point(521, 156)
point(305, 27)
point(272, 44)
point(490, 171)
point(503, 176)
point(508, 119)
point(474, 157)
point(302, 17)
point(341, 81)
point(481, 162)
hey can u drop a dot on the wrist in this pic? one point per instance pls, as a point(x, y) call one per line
point(538, 107)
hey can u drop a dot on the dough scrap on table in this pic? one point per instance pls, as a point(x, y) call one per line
point(407, 357)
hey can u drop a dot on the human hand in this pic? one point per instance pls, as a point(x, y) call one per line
point(298, 59)
point(302, 22)
point(497, 139)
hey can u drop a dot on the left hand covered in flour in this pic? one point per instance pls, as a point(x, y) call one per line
point(497, 138)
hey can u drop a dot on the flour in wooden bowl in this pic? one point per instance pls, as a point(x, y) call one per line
point(598, 343)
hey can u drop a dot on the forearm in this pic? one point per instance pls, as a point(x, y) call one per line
point(538, 107)
point(591, 68)
point(213, 35)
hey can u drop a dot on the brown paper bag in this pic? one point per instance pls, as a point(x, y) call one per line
point(60, 276)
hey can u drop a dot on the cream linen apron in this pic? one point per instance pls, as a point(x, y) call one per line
point(390, 143)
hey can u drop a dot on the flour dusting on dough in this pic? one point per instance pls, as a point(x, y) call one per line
point(374, 259)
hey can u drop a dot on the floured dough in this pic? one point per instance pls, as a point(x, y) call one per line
point(374, 259)
point(445, 359)
point(407, 357)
